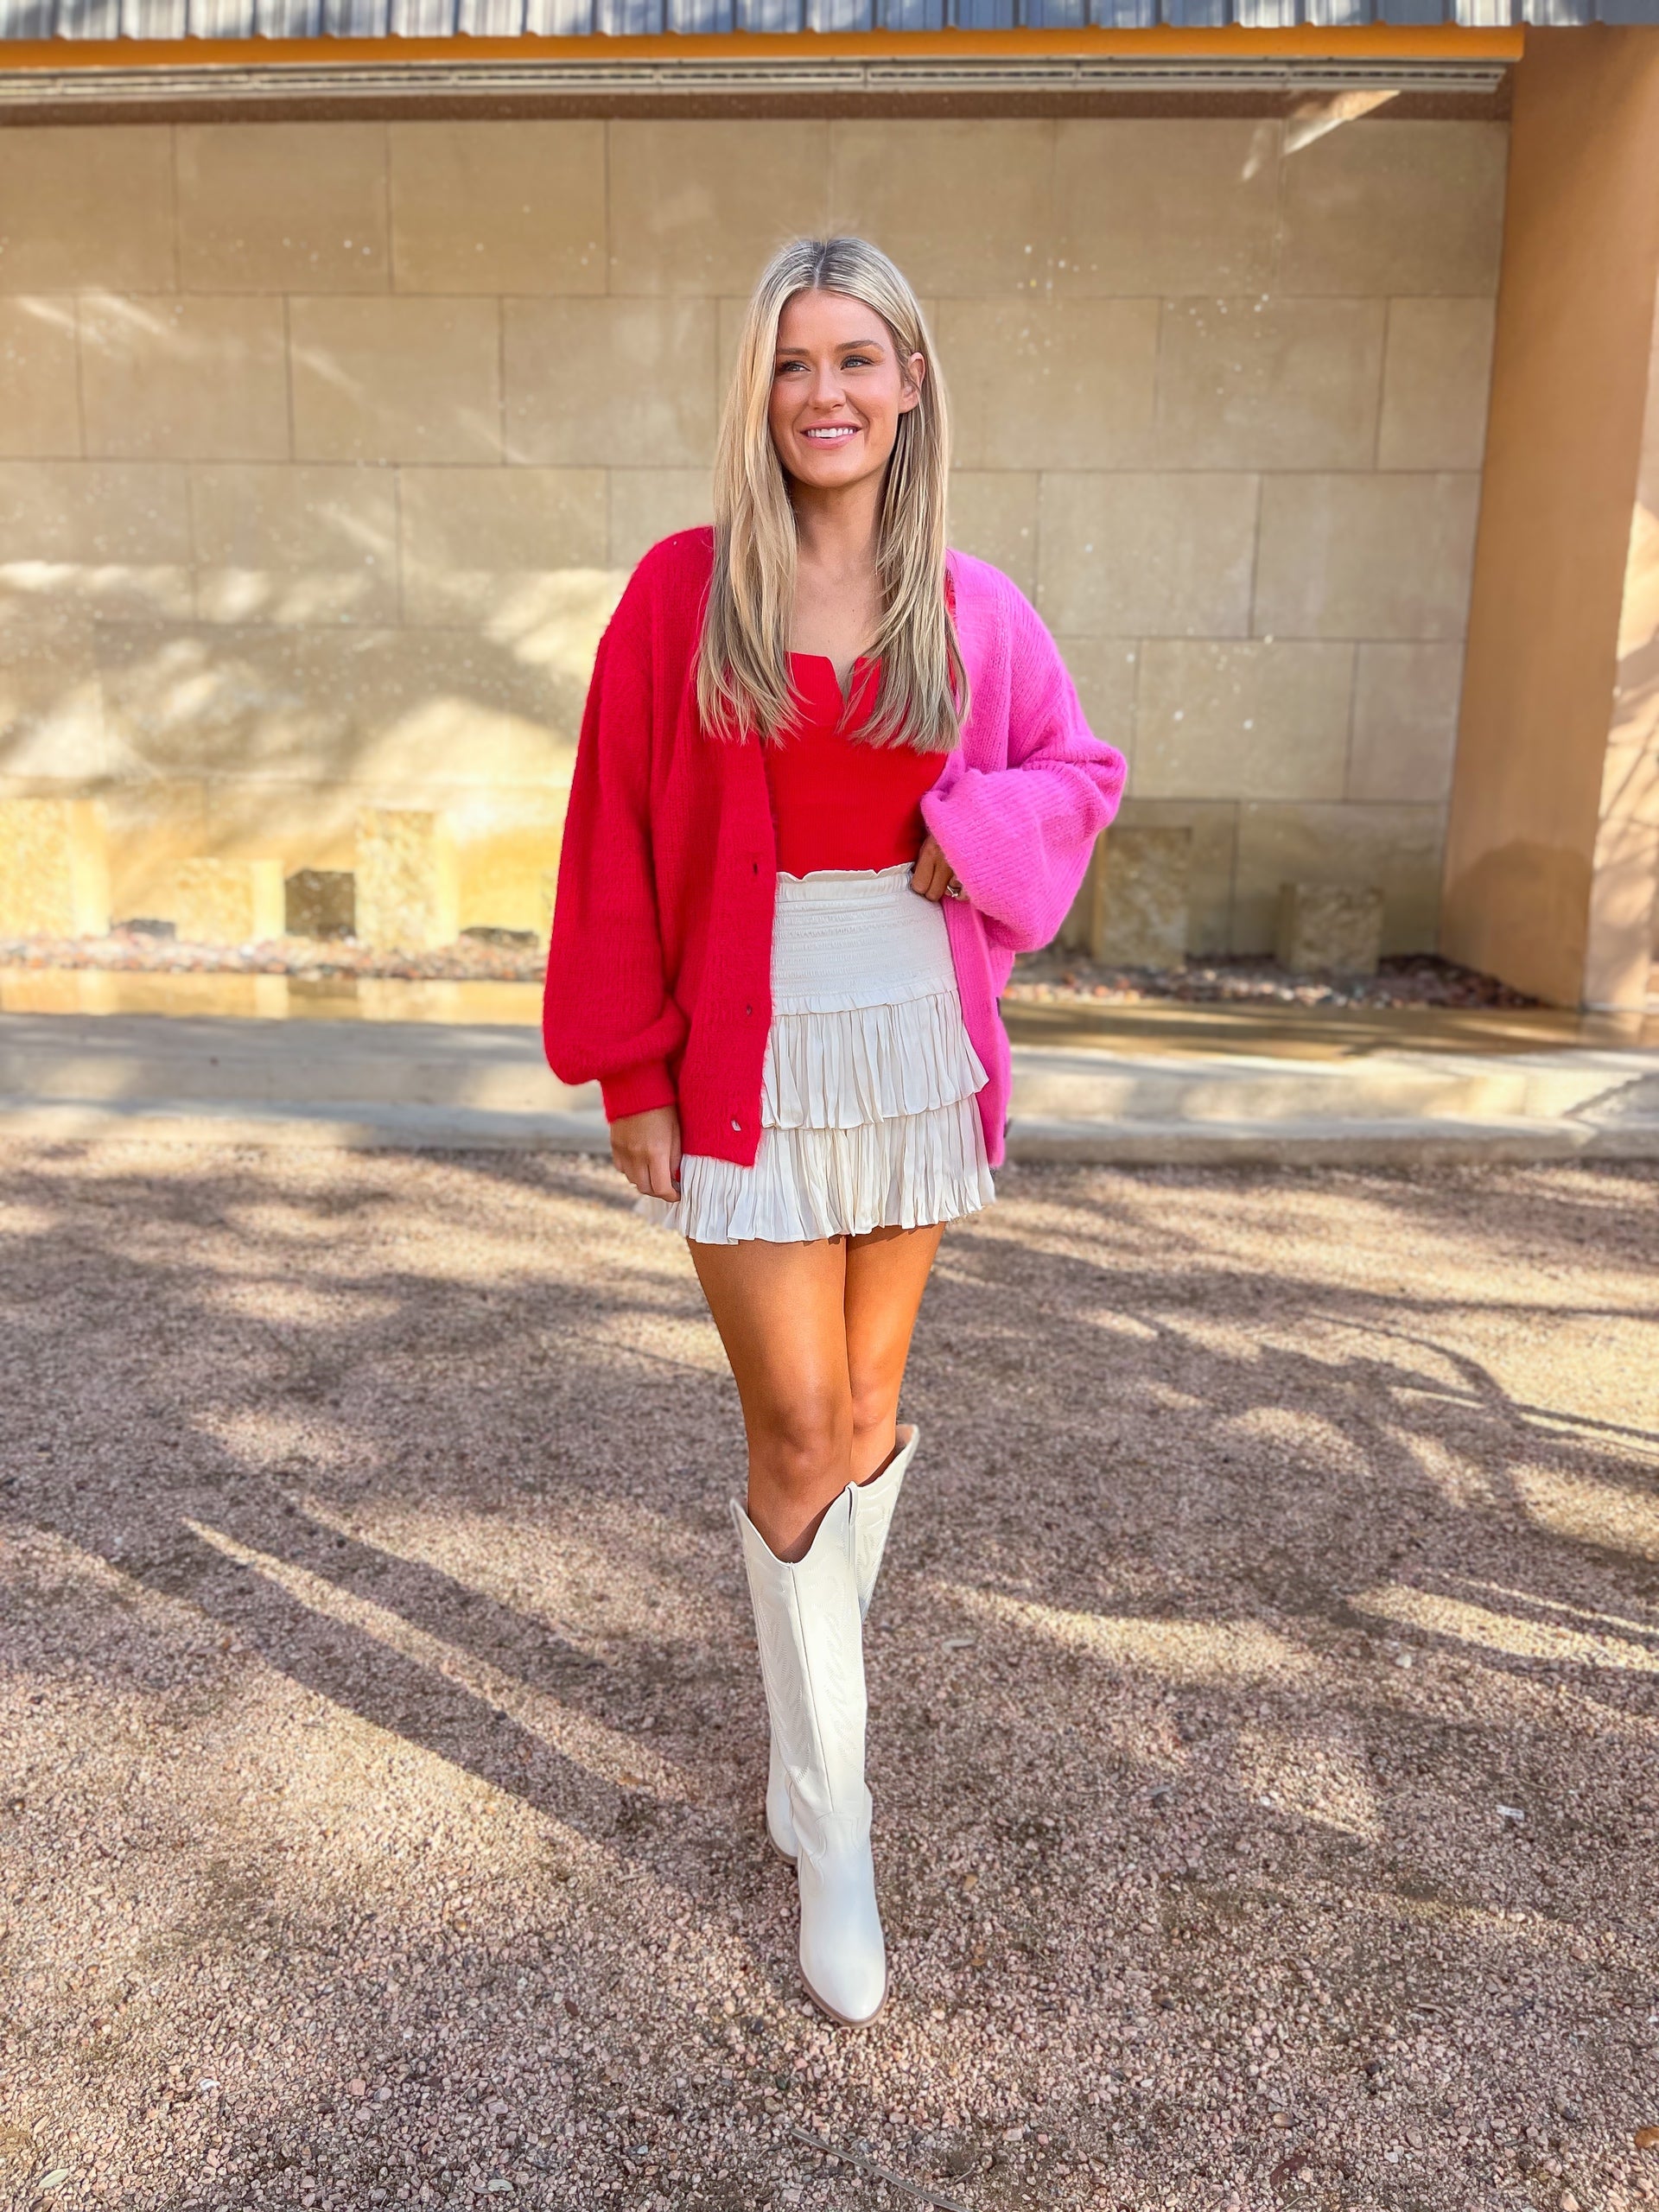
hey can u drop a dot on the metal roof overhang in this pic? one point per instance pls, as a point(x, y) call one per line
point(314, 54)
point(61, 57)
point(621, 74)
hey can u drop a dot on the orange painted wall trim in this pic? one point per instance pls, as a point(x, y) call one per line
point(1371, 41)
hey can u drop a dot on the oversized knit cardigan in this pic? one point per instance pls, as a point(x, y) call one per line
point(659, 977)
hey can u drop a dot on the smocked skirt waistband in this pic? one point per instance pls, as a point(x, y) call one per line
point(868, 1114)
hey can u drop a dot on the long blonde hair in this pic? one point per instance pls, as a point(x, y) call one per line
point(743, 682)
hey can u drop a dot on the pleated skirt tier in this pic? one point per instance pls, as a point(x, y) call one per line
point(868, 1111)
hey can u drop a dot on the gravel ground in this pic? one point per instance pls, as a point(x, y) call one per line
point(1264, 1735)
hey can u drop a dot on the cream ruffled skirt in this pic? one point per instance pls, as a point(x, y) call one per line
point(867, 1108)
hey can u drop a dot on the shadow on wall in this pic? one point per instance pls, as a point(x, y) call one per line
point(252, 739)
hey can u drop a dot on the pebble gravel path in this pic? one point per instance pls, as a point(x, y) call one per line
point(1265, 1682)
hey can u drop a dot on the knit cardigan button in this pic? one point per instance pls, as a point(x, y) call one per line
point(737, 1125)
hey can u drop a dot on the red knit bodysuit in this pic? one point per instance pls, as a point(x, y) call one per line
point(836, 804)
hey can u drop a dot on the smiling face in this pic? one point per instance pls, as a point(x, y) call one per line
point(839, 385)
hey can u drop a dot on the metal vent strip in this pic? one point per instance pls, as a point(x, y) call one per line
point(148, 84)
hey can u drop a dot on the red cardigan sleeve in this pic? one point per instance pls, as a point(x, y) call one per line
point(607, 1013)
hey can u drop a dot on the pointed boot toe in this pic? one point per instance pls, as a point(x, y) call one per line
point(843, 1955)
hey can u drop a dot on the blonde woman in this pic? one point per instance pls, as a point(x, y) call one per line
point(831, 778)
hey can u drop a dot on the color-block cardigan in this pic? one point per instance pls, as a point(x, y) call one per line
point(659, 978)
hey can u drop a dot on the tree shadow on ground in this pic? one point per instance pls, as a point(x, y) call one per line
point(445, 1443)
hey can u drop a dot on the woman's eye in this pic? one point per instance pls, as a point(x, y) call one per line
point(858, 361)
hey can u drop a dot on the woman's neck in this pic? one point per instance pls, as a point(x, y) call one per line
point(837, 609)
point(835, 531)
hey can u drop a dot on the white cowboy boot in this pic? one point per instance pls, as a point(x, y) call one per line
point(873, 1505)
point(811, 1635)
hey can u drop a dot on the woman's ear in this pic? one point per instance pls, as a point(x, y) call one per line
point(915, 370)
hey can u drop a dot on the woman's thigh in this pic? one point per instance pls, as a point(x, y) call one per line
point(779, 1311)
point(794, 1318)
point(817, 1336)
point(779, 1308)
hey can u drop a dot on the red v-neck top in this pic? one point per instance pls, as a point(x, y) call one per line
point(836, 803)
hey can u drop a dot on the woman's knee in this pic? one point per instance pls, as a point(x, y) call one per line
point(875, 1401)
point(804, 1445)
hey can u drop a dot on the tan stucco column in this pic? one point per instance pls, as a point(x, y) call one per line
point(1552, 871)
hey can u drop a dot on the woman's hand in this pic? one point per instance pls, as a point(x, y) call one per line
point(933, 875)
point(646, 1148)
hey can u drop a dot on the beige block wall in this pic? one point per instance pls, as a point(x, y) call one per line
point(326, 448)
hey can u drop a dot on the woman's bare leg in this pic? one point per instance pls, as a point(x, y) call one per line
point(778, 1311)
point(887, 1273)
point(817, 1336)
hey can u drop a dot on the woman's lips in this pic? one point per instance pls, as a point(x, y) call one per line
point(831, 434)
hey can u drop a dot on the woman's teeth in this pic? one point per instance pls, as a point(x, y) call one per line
point(833, 433)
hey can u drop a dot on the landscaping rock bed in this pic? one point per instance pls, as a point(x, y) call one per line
point(508, 956)
point(1409, 979)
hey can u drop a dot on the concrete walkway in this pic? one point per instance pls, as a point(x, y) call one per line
point(1110, 1085)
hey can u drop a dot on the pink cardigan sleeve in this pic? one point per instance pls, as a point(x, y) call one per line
point(607, 1012)
point(1019, 835)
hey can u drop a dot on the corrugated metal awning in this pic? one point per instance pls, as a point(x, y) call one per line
point(168, 20)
